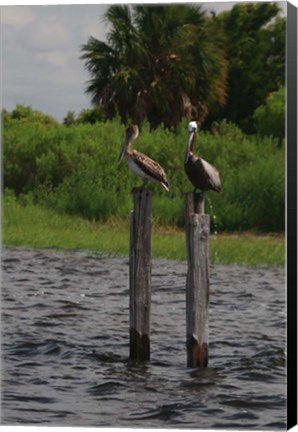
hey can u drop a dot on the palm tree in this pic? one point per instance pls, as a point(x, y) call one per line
point(160, 62)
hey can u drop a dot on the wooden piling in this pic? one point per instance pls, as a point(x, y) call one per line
point(140, 274)
point(197, 283)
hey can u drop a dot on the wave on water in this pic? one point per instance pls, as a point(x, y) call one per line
point(65, 346)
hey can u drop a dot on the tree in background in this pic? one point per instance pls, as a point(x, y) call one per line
point(160, 63)
point(26, 114)
point(91, 115)
point(70, 119)
point(269, 118)
point(256, 59)
point(87, 115)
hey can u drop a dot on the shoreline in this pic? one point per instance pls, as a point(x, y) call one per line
point(35, 226)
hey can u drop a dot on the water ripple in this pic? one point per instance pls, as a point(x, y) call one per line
point(65, 346)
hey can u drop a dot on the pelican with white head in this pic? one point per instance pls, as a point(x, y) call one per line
point(201, 173)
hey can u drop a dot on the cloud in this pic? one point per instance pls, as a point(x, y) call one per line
point(56, 58)
point(48, 36)
point(17, 17)
point(96, 28)
point(40, 54)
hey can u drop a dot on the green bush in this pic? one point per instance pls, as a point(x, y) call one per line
point(269, 118)
point(75, 169)
point(27, 114)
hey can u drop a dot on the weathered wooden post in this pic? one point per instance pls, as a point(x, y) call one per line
point(197, 284)
point(140, 274)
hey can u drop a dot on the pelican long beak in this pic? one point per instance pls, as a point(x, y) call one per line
point(189, 141)
point(124, 147)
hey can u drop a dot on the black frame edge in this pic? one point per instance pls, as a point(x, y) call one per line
point(291, 55)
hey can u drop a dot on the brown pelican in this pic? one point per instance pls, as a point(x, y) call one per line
point(201, 174)
point(139, 163)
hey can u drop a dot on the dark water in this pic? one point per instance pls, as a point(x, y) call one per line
point(65, 346)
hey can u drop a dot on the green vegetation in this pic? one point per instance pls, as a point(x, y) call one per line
point(25, 114)
point(162, 63)
point(91, 115)
point(35, 226)
point(75, 170)
point(255, 48)
point(270, 118)
point(160, 67)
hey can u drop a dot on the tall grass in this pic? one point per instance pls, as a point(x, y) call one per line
point(31, 225)
point(74, 170)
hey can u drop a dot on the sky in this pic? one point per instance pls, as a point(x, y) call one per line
point(40, 54)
